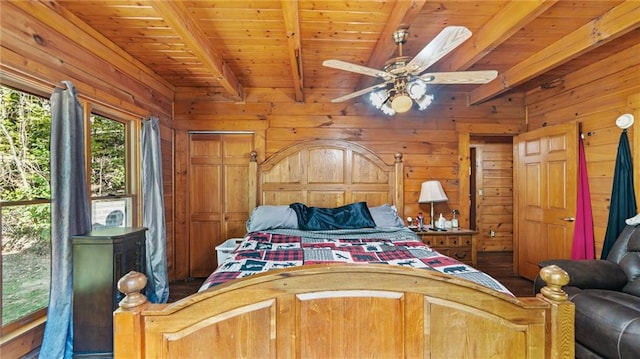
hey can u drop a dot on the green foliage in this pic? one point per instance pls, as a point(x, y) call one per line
point(25, 125)
point(108, 174)
point(25, 122)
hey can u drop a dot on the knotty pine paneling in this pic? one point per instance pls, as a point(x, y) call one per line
point(494, 208)
point(428, 140)
point(60, 47)
point(38, 55)
point(41, 47)
point(594, 97)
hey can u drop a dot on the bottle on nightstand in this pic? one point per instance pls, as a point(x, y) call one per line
point(420, 219)
point(441, 222)
point(454, 221)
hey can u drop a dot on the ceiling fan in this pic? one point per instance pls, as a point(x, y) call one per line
point(404, 80)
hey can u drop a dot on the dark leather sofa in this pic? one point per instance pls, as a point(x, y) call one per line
point(606, 294)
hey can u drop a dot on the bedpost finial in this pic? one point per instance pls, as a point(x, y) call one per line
point(398, 157)
point(131, 285)
point(254, 156)
point(555, 278)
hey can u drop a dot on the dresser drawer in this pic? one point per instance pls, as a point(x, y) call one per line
point(435, 242)
point(455, 241)
point(461, 254)
point(459, 244)
point(445, 241)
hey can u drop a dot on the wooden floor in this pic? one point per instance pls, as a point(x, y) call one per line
point(500, 266)
point(497, 264)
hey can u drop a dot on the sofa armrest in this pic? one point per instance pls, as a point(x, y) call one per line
point(589, 274)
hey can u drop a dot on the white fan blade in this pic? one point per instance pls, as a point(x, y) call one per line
point(460, 77)
point(448, 39)
point(347, 66)
point(359, 92)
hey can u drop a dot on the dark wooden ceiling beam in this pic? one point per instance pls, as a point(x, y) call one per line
point(497, 30)
point(611, 25)
point(292, 27)
point(177, 16)
point(404, 12)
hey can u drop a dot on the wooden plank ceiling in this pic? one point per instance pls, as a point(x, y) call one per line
point(228, 46)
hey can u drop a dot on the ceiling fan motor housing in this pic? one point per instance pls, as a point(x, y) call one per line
point(401, 35)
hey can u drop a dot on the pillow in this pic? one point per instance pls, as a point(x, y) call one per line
point(272, 217)
point(386, 216)
point(352, 216)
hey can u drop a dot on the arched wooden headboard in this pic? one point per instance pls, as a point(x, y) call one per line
point(327, 173)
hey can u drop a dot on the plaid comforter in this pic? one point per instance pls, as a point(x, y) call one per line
point(263, 251)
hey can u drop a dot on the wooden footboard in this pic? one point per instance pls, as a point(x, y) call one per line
point(348, 311)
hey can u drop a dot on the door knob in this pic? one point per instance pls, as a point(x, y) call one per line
point(568, 219)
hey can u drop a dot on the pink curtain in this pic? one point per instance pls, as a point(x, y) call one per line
point(583, 243)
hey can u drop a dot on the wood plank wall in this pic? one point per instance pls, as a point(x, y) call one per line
point(594, 97)
point(429, 140)
point(38, 52)
point(43, 55)
point(42, 46)
point(494, 205)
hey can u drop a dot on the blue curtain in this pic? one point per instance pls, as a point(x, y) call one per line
point(623, 198)
point(153, 212)
point(70, 215)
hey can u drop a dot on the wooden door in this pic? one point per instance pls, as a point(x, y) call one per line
point(492, 193)
point(546, 173)
point(218, 195)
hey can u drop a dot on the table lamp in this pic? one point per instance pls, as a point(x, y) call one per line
point(432, 192)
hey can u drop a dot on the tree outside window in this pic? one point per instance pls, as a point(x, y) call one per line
point(25, 122)
point(25, 192)
point(110, 204)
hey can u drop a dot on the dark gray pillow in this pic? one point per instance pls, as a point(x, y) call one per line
point(352, 216)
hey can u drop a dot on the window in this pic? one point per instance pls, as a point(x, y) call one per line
point(25, 122)
point(111, 199)
point(25, 216)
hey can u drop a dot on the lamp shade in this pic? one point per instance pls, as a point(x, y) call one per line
point(432, 192)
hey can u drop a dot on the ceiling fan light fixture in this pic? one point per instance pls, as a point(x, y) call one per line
point(417, 89)
point(424, 102)
point(378, 98)
point(401, 103)
point(387, 110)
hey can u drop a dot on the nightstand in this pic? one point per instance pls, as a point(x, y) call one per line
point(459, 243)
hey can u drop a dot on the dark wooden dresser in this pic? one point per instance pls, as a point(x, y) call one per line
point(100, 258)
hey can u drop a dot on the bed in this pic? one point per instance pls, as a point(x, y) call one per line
point(380, 305)
point(264, 250)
